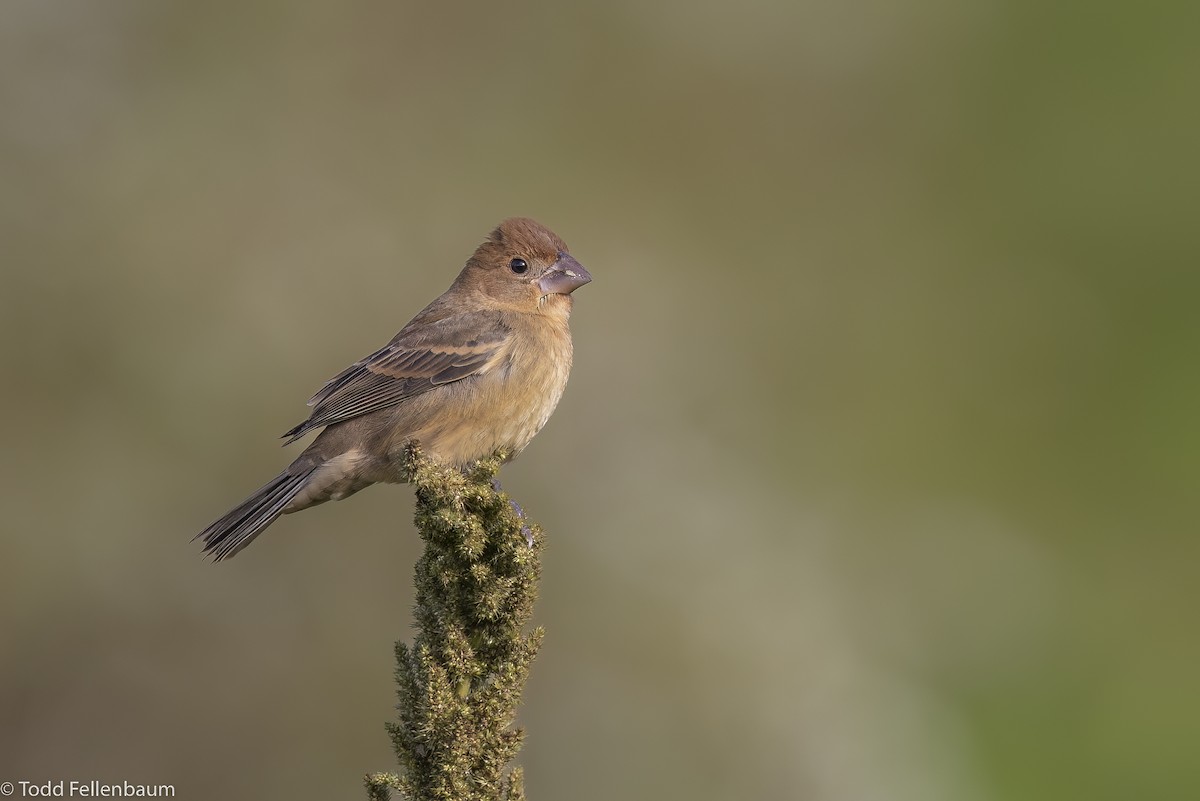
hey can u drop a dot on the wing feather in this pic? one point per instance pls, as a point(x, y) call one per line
point(420, 358)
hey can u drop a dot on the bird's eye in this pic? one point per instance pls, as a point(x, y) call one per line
point(518, 266)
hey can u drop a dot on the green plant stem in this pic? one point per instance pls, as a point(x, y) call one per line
point(460, 682)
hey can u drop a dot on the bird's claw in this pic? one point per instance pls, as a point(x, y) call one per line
point(520, 513)
point(526, 530)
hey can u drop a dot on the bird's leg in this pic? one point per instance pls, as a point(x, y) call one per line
point(519, 512)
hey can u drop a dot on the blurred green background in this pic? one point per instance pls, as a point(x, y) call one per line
point(877, 476)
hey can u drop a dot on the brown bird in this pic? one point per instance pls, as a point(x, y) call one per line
point(480, 369)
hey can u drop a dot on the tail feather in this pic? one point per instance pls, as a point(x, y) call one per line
point(247, 520)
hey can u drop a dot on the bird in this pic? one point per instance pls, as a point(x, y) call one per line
point(478, 371)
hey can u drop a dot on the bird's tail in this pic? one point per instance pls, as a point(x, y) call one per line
point(247, 520)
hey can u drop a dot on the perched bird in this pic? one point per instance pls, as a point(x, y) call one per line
point(480, 369)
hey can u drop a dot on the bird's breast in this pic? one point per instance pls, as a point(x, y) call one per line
point(502, 407)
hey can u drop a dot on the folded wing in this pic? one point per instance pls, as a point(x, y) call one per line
point(420, 358)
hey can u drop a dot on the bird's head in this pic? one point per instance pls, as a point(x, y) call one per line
point(525, 266)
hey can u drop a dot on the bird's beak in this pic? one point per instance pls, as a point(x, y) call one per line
point(564, 277)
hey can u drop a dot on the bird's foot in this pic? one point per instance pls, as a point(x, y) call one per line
point(526, 530)
point(516, 507)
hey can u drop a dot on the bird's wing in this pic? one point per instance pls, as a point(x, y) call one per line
point(421, 357)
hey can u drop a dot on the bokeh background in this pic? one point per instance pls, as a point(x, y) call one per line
point(877, 475)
